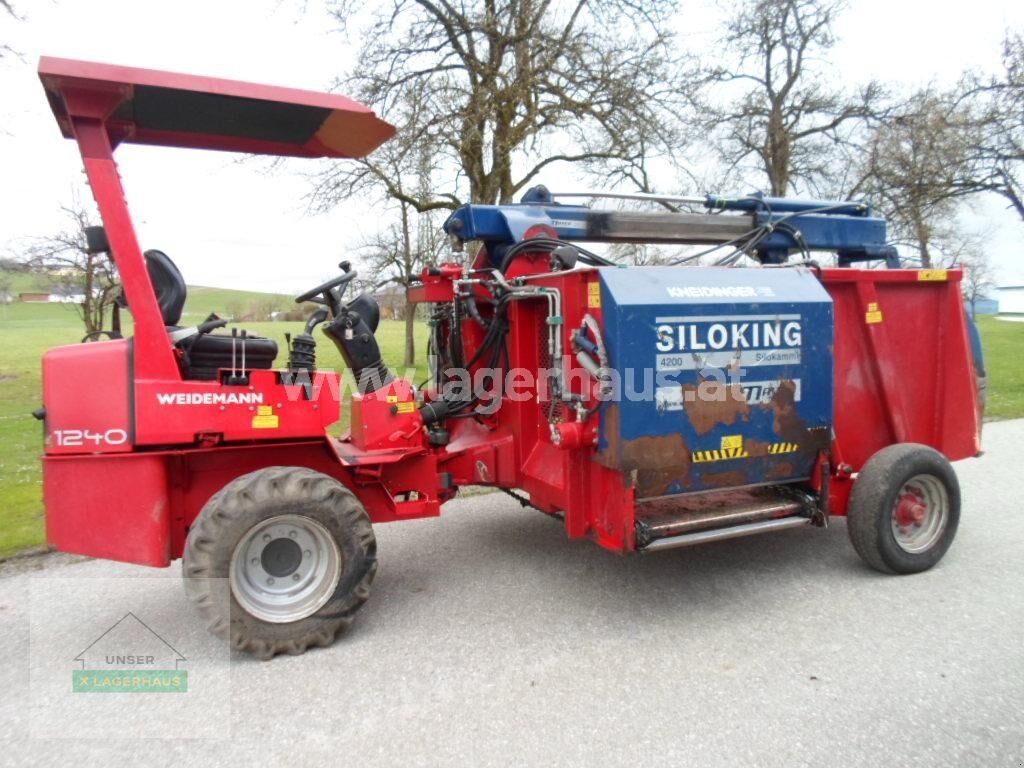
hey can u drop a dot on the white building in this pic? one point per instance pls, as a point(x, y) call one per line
point(1011, 299)
point(67, 298)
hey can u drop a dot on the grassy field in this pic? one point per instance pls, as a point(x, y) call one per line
point(22, 282)
point(27, 330)
point(202, 300)
point(1004, 358)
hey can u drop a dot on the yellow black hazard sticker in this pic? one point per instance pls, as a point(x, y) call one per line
point(265, 418)
point(720, 455)
point(938, 275)
point(594, 295)
point(732, 448)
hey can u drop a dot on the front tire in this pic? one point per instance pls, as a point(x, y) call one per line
point(280, 560)
point(904, 509)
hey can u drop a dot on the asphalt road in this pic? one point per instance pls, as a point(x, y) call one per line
point(492, 640)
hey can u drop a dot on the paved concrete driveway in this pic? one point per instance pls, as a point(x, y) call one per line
point(491, 640)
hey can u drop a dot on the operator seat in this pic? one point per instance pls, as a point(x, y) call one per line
point(202, 354)
point(168, 284)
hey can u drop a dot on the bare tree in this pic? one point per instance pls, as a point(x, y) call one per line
point(385, 175)
point(637, 254)
point(234, 310)
point(400, 174)
point(397, 255)
point(10, 13)
point(979, 277)
point(504, 89)
point(70, 268)
point(787, 122)
point(920, 165)
point(940, 147)
point(998, 144)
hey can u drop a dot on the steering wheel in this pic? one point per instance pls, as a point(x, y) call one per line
point(330, 290)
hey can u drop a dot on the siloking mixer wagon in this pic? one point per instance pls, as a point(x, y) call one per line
point(644, 407)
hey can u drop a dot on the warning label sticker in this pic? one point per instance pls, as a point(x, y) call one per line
point(873, 314)
point(265, 418)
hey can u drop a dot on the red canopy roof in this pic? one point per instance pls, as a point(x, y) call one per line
point(168, 109)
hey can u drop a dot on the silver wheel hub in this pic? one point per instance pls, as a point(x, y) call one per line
point(920, 514)
point(285, 568)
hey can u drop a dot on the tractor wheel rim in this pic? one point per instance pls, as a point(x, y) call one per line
point(285, 568)
point(920, 513)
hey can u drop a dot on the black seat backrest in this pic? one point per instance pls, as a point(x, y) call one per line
point(168, 284)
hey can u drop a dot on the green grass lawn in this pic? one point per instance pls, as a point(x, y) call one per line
point(1004, 360)
point(22, 282)
point(27, 330)
point(202, 301)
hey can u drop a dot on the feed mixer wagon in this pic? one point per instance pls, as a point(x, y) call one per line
point(645, 408)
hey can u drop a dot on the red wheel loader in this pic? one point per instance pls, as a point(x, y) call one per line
point(646, 408)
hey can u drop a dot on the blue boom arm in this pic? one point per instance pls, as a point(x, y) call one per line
point(770, 227)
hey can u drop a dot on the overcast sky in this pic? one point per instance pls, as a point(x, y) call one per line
point(229, 223)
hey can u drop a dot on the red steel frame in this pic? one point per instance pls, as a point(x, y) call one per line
point(903, 368)
point(134, 498)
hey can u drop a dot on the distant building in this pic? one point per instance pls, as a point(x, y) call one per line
point(391, 300)
point(57, 297)
point(1011, 299)
point(67, 297)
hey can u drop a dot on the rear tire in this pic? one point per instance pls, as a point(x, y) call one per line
point(904, 509)
point(280, 560)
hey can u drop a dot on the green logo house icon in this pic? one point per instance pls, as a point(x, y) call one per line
point(129, 658)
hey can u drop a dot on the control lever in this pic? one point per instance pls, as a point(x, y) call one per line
point(237, 377)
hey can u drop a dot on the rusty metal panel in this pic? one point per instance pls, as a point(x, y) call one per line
point(724, 376)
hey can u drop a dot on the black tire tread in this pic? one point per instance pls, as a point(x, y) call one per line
point(874, 493)
point(203, 569)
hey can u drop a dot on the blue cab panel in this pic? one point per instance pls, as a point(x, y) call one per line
point(724, 376)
